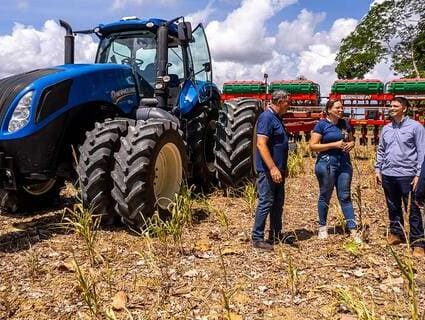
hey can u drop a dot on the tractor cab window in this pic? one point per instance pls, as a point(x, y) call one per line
point(175, 61)
point(201, 55)
point(118, 53)
point(135, 49)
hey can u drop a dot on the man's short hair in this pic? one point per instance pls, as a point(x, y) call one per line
point(279, 95)
point(403, 101)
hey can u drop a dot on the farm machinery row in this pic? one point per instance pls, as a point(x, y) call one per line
point(365, 101)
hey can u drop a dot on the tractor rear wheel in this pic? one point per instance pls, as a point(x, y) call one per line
point(96, 163)
point(236, 141)
point(200, 139)
point(149, 170)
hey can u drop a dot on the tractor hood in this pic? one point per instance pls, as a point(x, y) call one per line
point(58, 89)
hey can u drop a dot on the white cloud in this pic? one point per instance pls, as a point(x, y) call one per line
point(293, 36)
point(242, 36)
point(201, 16)
point(376, 2)
point(317, 62)
point(27, 48)
point(382, 72)
point(243, 50)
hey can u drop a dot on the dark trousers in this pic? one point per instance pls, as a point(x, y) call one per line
point(397, 191)
point(270, 202)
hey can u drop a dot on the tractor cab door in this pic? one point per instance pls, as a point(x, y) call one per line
point(197, 89)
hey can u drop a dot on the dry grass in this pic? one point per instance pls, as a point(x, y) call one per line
point(208, 269)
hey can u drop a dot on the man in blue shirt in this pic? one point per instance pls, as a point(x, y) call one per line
point(399, 160)
point(271, 165)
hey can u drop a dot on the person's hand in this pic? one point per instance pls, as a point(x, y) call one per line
point(414, 183)
point(339, 144)
point(348, 146)
point(378, 176)
point(276, 175)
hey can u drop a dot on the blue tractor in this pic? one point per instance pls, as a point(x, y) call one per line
point(142, 120)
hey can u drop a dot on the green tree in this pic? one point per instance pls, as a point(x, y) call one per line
point(392, 31)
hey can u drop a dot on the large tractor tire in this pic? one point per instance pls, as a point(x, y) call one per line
point(96, 163)
point(200, 139)
point(236, 141)
point(31, 196)
point(149, 170)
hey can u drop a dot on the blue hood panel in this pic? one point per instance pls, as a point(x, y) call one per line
point(90, 83)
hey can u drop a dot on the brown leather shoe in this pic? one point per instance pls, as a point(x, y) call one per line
point(264, 245)
point(418, 252)
point(393, 239)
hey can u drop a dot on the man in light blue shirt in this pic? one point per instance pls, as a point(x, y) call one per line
point(399, 159)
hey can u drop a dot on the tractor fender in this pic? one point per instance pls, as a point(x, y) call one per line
point(146, 113)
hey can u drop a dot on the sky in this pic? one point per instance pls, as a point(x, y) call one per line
point(247, 38)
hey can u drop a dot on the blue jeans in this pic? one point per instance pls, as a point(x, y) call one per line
point(270, 202)
point(396, 191)
point(335, 171)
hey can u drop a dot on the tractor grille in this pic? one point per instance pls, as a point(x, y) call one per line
point(11, 86)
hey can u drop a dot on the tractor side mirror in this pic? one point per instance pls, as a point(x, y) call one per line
point(184, 30)
point(207, 66)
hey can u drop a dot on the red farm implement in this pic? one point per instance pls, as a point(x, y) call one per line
point(365, 101)
point(304, 95)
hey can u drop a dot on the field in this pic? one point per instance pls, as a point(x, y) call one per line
point(200, 264)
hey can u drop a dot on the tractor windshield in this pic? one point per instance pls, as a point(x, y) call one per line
point(139, 51)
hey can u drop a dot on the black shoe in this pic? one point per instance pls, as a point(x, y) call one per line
point(288, 238)
point(261, 244)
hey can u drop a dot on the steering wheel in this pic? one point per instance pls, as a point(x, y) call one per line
point(131, 62)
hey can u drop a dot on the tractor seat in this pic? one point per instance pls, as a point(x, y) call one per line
point(149, 73)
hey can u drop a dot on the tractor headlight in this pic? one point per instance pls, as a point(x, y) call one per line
point(21, 115)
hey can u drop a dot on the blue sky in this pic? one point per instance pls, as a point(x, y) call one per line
point(285, 38)
point(88, 13)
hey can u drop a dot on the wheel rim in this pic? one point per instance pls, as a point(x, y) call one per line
point(40, 188)
point(168, 175)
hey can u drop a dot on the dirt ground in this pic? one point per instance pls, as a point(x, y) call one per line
point(213, 272)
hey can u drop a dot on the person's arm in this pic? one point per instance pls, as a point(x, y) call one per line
point(420, 188)
point(420, 149)
point(264, 151)
point(380, 153)
point(316, 146)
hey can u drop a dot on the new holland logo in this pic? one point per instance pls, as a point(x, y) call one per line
point(117, 96)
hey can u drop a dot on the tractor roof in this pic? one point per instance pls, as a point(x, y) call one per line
point(134, 24)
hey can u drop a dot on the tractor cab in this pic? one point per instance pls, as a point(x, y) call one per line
point(166, 57)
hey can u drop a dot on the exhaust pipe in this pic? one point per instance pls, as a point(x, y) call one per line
point(69, 42)
point(161, 91)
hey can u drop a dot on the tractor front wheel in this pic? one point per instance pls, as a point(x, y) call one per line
point(96, 163)
point(149, 170)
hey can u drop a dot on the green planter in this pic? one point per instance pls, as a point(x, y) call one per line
point(358, 86)
point(244, 87)
point(295, 86)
